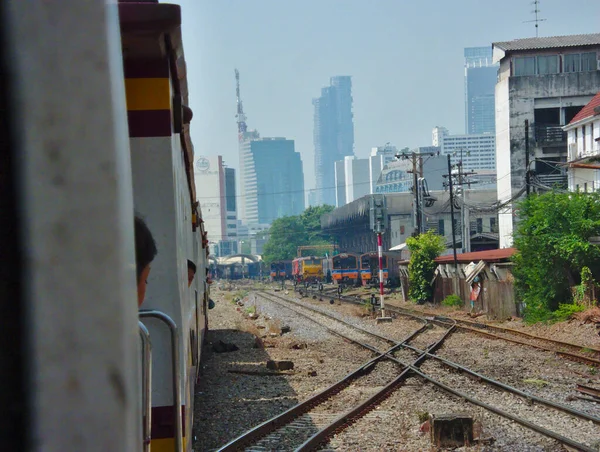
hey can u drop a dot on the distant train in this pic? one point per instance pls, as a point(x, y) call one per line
point(346, 268)
point(369, 268)
point(280, 270)
point(308, 269)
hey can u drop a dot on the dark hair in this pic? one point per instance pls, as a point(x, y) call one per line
point(145, 246)
point(191, 266)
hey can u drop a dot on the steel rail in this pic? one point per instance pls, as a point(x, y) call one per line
point(289, 415)
point(526, 395)
point(344, 420)
point(361, 409)
point(310, 443)
point(565, 354)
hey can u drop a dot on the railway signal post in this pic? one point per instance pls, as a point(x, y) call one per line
point(378, 220)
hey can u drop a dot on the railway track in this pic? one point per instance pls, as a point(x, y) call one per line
point(573, 352)
point(321, 428)
point(313, 415)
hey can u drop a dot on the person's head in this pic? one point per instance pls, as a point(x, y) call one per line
point(191, 272)
point(145, 252)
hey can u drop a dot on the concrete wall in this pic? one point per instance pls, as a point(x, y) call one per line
point(516, 101)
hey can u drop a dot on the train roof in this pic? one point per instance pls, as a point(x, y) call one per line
point(151, 33)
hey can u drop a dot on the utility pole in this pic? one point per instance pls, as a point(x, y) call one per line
point(416, 193)
point(461, 181)
point(417, 172)
point(452, 212)
point(527, 176)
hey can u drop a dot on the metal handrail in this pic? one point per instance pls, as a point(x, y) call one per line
point(175, 369)
point(146, 384)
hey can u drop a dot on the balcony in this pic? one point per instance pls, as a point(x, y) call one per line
point(548, 134)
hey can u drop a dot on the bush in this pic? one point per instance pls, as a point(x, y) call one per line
point(566, 311)
point(452, 301)
point(423, 250)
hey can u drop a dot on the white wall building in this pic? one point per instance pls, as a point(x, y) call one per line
point(379, 158)
point(209, 176)
point(583, 138)
point(351, 179)
point(477, 151)
point(545, 81)
point(438, 134)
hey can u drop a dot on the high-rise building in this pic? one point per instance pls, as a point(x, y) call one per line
point(380, 156)
point(480, 81)
point(545, 81)
point(351, 180)
point(477, 151)
point(209, 176)
point(230, 203)
point(274, 180)
point(333, 134)
point(271, 179)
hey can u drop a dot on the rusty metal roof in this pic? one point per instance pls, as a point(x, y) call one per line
point(487, 256)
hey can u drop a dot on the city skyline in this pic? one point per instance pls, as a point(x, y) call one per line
point(403, 58)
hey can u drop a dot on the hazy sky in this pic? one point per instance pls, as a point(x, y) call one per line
point(405, 59)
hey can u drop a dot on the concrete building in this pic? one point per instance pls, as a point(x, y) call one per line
point(380, 156)
point(396, 178)
point(349, 224)
point(333, 134)
point(209, 176)
point(583, 139)
point(480, 80)
point(477, 151)
point(351, 180)
point(437, 134)
point(545, 81)
point(273, 180)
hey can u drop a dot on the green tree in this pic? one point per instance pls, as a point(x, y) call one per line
point(311, 219)
point(423, 250)
point(285, 235)
point(288, 233)
point(552, 239)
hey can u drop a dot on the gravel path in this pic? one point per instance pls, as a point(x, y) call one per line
point(394, 425)
point(540, 373)
point(556, 421)
point(229, 404)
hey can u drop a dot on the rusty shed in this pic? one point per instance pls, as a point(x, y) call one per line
point(493, 268)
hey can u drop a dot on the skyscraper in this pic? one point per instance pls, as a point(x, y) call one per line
point(273, 184)
point(333, 134)
point(480, 82)
point(271, 178)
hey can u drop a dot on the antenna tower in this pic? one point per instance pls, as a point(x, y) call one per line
point(537, 20)
point(241, 117)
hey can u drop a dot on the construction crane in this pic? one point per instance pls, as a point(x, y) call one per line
point(241, 117)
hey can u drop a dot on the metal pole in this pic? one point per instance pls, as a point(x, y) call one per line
point(416, 189)
point(380, 251)
point(452, 212)
point(175, 371)
point(146, 385)
point(527, 180)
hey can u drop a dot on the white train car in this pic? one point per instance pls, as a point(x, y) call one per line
point(95, 125)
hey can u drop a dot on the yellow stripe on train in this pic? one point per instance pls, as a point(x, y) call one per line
point(148, 94)
point(165, 444)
